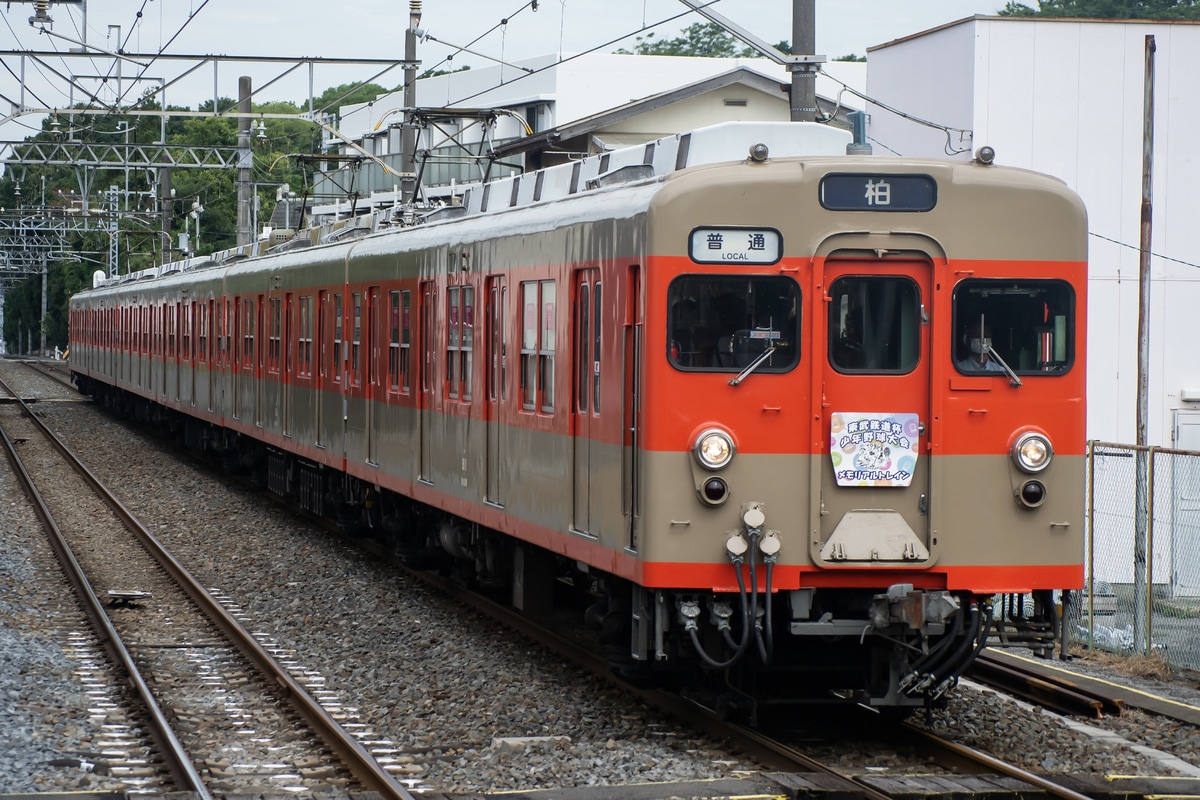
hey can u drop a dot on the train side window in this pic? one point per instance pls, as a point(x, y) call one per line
point(339, 355)
point(546, 350)
point(226, 331)
point(356, 340)
point(467, 341)
point(393, 341)
point(188, 312)
point(202, 333)
point(874, 324)
point(248, 332)
point(453, 339)
point(306, 335)
point(722, 323)
point(275, 334)
point(405, 340)
point(538, 312)
point(1028, 324)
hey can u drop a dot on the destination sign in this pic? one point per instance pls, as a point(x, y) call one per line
point(736, 246)
point(870, 192)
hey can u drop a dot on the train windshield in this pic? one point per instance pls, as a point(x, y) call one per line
point(1028, 325)
point(874, 324)
point(721, 323)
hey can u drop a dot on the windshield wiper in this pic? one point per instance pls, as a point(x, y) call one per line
point(1012, 376)
point(753, 365)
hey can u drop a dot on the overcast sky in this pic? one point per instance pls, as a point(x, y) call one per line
point(375, 30)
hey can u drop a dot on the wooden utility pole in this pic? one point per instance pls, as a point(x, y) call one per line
point(1142, 565)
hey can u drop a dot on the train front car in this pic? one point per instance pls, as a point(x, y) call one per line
point(862, 418)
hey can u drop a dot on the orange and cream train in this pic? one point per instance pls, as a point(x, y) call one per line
point(790, 418)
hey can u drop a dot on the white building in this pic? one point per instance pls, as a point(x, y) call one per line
point(1065, 97)
point(578, 87)
point(582, 105)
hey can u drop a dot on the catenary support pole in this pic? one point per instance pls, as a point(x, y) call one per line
point(804, 76)
point(245, 175)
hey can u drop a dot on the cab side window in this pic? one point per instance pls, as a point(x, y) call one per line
point(1026, 324)
point(719, 323)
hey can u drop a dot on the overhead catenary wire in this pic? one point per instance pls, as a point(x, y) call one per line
point(447, 59)
point(950, 149)
point(1153, 254)
point(191, 16)
point(590, 50)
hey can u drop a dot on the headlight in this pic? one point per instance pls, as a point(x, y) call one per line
point(713, 449)
point(1032, 452)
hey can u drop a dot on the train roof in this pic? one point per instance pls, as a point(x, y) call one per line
point(725, 142)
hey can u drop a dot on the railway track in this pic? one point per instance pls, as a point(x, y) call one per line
point(967, 771)
point(794, 774)
point(1057, 690)
point(223, 713)
point(55, 370)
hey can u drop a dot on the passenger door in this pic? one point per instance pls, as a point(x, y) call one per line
point(496, 385)
point(585, 410)
point(324, 365)
point(374, 389)
point(872, 502)
point(425, 401)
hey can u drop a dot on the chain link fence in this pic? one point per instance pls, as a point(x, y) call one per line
point(1142, 558)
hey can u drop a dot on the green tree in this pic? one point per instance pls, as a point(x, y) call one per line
point(702, 39)
point(349, 94)
point(54, 190)
point(1107, 9)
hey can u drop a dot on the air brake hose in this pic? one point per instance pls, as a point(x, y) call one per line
point(938, 653)
point(753, 621)
point(741, 649)
point(958, 660)
point(770, 654)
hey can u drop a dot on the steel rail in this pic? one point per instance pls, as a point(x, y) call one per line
point(176, 759)
point(1050, 691)
point(1003, 767)
point(356, 757)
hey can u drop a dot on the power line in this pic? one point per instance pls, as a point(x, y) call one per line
point(950, 149)
point(191, 16)
point(560, 61)
point(1152, 253)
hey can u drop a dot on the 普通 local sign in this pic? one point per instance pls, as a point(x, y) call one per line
point(735, 246)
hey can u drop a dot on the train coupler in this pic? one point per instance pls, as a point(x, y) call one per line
point(916, 609)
